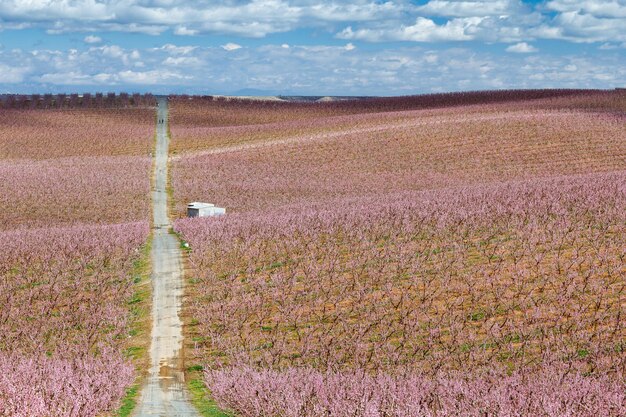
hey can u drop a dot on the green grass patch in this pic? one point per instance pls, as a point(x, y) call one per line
point(139, 312)
point(135, 352)
point(128, 402)
point(195, 368)
point(136, 298)
point(275, 265)
point(477, 316)
point(201, 399)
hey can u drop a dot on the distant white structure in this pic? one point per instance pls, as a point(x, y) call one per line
point(197, 209)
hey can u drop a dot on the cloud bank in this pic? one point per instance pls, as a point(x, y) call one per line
point(401, 20)
point(314, 47)
point(301, 69)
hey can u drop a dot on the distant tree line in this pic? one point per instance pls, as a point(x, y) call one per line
point(375, 104)
point(86, 100)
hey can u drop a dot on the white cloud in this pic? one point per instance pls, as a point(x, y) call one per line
point(175, 49)
point(311, 69)
point(353, 10)
point(349, 47)
point(424, 30)
point(14, 25)
point(579, 27)
point(501, 21)
point(231, 46)
point(471, 8)
point(285, 46)
point(585, 21)
point(148, 77)
point(71, 78)
point(431, 58)
point(521, 48)
point(111, 51)
point(597, 8)
point(185, 31)
point(125, 77)
point(11, 74)
point(435, 21)
point(254, 18)
point(608, 46)
point(92, 39)
point(72, 26)
point(182, 61)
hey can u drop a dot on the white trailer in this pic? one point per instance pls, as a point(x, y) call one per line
point(197, 209)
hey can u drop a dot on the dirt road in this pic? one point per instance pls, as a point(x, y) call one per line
point(164, 393)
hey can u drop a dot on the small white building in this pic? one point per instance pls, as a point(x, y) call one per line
point(197, 209)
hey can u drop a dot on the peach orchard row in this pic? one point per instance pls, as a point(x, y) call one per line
point(86, 100)
point(64, 294)
point(522, 279)
point(74, 209)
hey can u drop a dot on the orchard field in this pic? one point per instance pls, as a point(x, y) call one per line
point(440, 255)
point(444, 255)
point(74, 216)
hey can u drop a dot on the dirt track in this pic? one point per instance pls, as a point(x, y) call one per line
point(164, 393)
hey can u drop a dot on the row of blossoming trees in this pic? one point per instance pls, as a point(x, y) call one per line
point(86, 100)
point(459, 260)
point(74, 213)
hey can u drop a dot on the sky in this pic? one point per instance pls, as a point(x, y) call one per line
point(302, 47)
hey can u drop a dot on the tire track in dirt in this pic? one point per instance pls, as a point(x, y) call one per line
point(308, 138)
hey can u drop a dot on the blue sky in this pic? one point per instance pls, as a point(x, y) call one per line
point(352, 47)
